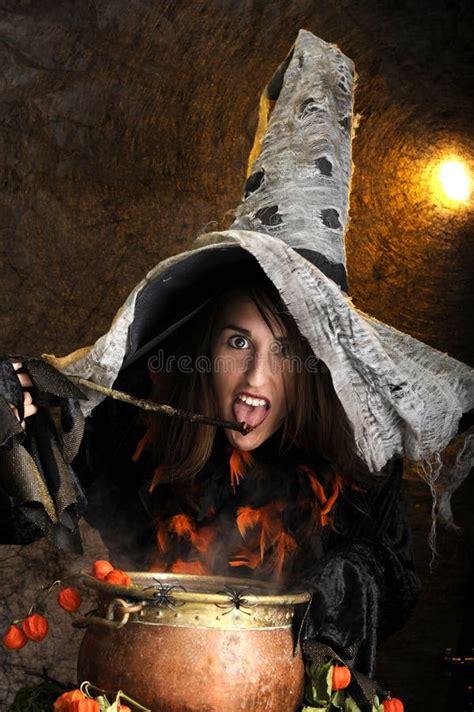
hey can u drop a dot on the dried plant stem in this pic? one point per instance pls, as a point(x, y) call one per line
point(86, 685)
point(43, 675)
point(160, 408)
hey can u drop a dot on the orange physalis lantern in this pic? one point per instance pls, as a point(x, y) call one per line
point(35, 627)
point(14, 638)
point(65, 701)
point(85, 705)
point(393, 704)
point(341, 677)
point(118, 578)
point(69, 599)
point(101, 568)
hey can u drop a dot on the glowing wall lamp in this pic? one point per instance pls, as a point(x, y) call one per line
point(452, 181)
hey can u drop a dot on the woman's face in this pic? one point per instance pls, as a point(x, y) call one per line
point(249, 364)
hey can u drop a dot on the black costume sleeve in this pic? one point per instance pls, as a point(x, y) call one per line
point(365, 585)
point(47, 471)
point(39, 492)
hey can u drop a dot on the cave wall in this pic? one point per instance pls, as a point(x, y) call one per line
point(125, 129)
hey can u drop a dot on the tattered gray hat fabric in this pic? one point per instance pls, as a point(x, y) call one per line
point(298, 188)
point(401, 396)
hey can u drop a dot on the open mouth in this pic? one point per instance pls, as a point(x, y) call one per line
point(251, 409)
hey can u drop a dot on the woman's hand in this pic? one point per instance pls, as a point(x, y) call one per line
point(28, 405)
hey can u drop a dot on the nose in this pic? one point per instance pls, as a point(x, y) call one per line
point(258, 370)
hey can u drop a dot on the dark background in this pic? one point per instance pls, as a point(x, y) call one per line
point(125, 129)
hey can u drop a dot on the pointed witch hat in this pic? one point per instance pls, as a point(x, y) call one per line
point(300, 164)
point(401, 396)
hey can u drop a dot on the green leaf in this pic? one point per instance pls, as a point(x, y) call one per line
point(329, 678)
point(350, 705)
point(338, 699)
point(321, 677)
point(103, 702)
point(36, 698)
point(377, 706)
point(314, 709)
point(115, 705)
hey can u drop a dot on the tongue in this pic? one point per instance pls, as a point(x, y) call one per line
point(250, 414)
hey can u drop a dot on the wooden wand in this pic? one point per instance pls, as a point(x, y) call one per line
point(159, 408)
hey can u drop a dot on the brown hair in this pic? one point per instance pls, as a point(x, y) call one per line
point(316, 419)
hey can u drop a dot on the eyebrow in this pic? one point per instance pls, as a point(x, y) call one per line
point(236, 327)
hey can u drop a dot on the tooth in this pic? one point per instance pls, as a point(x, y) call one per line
point(252, 401)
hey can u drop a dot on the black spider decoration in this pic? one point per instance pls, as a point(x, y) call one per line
point(162, 595)
point(237, 601)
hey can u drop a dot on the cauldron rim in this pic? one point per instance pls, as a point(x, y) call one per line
point(193, 586)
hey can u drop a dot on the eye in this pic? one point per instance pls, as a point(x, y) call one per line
point(238, 342)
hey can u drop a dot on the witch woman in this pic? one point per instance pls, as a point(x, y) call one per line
point(253, 325)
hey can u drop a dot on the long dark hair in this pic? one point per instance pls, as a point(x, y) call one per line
point(316, 419)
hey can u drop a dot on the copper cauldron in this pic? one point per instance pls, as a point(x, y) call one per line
point(186, 643)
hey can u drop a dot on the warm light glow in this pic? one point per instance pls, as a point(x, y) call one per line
point(455, 180)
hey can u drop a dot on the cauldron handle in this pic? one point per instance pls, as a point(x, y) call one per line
point(117, 605)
